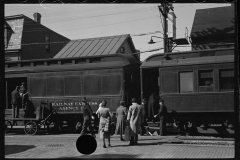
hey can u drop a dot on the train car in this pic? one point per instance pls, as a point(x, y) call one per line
point(63, 83)
point(197, 86)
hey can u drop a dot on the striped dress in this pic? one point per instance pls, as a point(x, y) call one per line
point(104, 114)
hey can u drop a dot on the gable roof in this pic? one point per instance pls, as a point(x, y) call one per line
point(95, 46)
point(16, 24)
point(213, 25)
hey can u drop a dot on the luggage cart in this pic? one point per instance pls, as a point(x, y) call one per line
point(32, 125)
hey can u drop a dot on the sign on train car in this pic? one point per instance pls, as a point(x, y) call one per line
point(63, 83)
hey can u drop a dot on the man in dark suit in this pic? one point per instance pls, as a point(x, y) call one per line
point(24, 94)
point(144, 108)
point(162, 116)
point(87, 117)
point(16, 102)
point(152, 107)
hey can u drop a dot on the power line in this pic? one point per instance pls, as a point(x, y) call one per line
point(143, 34)
point(155, 34)
point(40, 29)
point(95, 16)
point(124, 12)
point(140, 34)
point(152, 50)
point(39, 6)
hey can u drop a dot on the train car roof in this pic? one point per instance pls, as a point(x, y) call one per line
point(189, 58)
point(70, 64)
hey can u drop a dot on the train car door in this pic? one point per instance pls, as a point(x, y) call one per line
point(132, 86)
point(149, 82)
point(11, 84)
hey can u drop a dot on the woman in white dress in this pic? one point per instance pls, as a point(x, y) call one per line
point(105, 115)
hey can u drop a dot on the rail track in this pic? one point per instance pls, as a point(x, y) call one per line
point(206, 140)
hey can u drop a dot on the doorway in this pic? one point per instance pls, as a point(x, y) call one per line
point(150, 82)
point(11, 84)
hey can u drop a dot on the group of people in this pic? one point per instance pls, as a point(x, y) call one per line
point(135, 117)
point(19, 99)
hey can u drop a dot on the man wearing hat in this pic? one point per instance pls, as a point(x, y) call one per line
point(15, 102)
point(144, 108)
point(162, 116)
point(24, 94)
point(152, 106)
point(87, 117)
point(135, 118)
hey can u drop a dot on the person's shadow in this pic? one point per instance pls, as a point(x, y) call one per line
point(13, 149)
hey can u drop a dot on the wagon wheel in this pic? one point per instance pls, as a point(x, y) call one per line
point(8, 126)
point(31, 128)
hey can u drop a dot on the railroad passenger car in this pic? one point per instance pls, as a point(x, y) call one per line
point(197, 86)
point(63, 83)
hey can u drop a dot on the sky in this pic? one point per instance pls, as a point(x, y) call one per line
point(141, 21)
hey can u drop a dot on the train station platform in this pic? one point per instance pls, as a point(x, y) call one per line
point(64, 146)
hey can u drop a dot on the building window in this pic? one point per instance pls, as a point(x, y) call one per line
point(226, 79)
point(47, 43)
point(186, 81)
point(205, 81)
point(7, 36)
point(122, 50)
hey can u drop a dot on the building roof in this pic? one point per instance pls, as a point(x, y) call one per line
point(213, 25)
point(95, 46)
point(15, 25)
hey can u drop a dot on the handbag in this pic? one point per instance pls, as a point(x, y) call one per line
point(106, 127)
point(127, 136)
point(101, 132)
point(112, 128)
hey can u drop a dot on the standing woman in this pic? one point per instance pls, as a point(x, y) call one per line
point(105, 115)
point(121, 115)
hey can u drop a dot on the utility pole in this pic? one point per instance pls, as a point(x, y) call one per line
point(164, 9)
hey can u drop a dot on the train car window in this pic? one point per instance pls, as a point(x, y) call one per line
point(205, 81)
point(47, 41)
point(92, 85)
point(226, 79)
point(186, 81)
point(169, 82)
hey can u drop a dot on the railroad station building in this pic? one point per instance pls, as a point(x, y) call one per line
point(213, 28)
point(25, 39)
point(121, 44)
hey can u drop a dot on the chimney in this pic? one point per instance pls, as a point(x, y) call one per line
point(37, 17)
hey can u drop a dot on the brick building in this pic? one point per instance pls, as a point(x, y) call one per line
point(26, 39)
